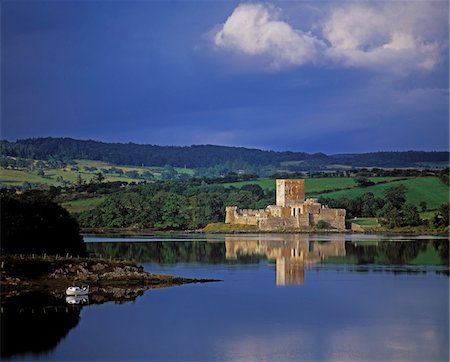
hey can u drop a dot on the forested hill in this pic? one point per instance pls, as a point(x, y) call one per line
point(203, 155)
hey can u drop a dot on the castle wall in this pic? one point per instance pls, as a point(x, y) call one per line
point(235, 215)
point(334, 217)
point(277, 223)
point(304, 220)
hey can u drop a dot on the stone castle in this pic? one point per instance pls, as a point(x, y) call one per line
point(290, 212)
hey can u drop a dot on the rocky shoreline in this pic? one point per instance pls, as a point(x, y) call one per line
point(20, 272)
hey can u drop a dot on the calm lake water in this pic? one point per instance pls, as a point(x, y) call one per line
point(282, 298)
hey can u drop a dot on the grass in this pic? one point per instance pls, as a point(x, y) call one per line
point(429, 189)
point(92, 163)
point(224, 228)
point(313, 185)
point(82, 205)
point(427, 215)
point(187, 171)
point(18, 177)
point(366, 222)
point(14, 177)
point(267, 184)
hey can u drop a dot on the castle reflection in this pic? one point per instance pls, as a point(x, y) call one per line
point(291, 254)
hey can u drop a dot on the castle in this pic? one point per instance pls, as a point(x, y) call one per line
point(291, 211)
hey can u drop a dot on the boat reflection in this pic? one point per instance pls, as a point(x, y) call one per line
point(291, 254)
point(81, 299)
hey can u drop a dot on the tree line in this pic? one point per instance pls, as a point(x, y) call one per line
point(172, 205)
point(203, 156)
point(176, 205)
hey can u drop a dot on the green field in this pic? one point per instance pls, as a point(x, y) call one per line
point(82, 205)
point(187, 171)
point(267, 184)
point(18, 177)
point(314, 185)
point(92, 163)
point(428, 189)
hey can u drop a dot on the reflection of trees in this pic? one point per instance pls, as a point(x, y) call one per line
point(162, 252)
point(34, 323)
point(442, 249)
point(252, 251)
point(169, 252)
point(363, 254)
point(400, 252)
point(397, 252)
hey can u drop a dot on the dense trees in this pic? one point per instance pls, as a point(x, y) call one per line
point(396, 196)
point(172, 205)
point(366, 205)
point(363, 181)
point(62, 150)
point(392, 210)
point(441, 219)
point(36, 226)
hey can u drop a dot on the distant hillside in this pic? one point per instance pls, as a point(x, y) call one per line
point(207, 155)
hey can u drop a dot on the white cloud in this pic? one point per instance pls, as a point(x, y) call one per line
point(254, 29)
point(390, 36)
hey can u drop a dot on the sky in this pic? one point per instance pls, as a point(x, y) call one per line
point(317, 76)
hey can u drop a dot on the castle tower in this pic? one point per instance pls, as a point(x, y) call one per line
point(290, 192)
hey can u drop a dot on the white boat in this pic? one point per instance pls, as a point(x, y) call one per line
point(84, 290)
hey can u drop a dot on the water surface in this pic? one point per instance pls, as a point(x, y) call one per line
point(283, 297)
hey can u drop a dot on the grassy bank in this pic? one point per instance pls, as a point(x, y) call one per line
point(228, 228)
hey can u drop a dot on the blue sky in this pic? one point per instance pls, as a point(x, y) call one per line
point(333, 77)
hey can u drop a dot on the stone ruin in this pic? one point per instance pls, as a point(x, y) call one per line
point(292, 211)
